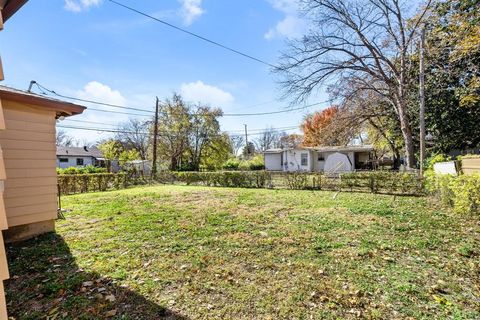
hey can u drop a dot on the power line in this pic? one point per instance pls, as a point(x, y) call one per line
point(218, 44)
point(43, 89)
point(89, 101)
point(228, 131)
point(161, 133)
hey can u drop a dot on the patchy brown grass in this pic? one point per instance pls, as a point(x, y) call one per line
point(213, 253)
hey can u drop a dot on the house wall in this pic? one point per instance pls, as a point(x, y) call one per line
point(3, 221)
point(292, 160)
point(273, 161)
point(72, 161)
point(29, 153)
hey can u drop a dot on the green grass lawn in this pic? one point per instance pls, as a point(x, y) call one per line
point(180, 252)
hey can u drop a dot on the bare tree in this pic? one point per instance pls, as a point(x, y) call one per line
point(237, 143)
point(134, 135)
point(357, 40)
point(270, 138)
point(63, 139)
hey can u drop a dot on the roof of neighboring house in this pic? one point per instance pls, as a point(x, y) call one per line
point(275, 150)
point(62, 108)
point(79, 152)
point(10, 7)
point(364, 148)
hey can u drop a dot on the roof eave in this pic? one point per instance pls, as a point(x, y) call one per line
point(61, 108)
point(11, 7)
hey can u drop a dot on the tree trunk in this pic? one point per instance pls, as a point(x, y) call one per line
point(407, 136)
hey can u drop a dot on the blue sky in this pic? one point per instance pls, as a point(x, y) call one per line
point(96, 50)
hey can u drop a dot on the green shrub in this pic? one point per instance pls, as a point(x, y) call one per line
point(466, 193)
point(243, 179)
point(81, 183)
point(231, 164)
point(382, 181)
point(256, 163)
point(81, 170)
point(297, 180)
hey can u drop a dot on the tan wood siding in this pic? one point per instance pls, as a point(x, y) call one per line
point(31, 191)
point(37, 217)
point(3, 261)
point(34, 164)
point(21, 112)
point(471, 165)
point(29, 149)
point(3, 214)
point(29, 182)
point(3, 219)
point(30, 126)
point(2, 119)
point(48, 204)
point(27, 145)
point(21, 135)
point(19, 202)
point(29, 173)
point(29, 155)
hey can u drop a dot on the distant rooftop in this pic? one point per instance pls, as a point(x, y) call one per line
point(364, 148)
point(79, 152)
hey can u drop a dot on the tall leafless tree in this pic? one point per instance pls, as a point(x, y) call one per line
point(357, 40)
point(63, 139)
point(133, 134)
point(237, 143)
point(270, 138)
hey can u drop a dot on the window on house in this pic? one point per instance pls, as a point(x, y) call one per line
point(304, 159)
point(79, 162)
point(321, 157)
point(63, 159)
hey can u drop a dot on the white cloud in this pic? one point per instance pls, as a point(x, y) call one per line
point(97, 91)
point(80, 5)
point(201, 92)
point(291, 26)
point(191, 10)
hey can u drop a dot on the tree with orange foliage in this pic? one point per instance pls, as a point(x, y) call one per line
point(325, 128)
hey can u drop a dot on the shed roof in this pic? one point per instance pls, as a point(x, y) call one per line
point(79, 152)
point(62, 108)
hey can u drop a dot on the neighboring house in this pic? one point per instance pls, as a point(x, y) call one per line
point(319, 159)
point(79, 157)
point(28, 178)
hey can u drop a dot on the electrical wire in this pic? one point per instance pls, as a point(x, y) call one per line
point(162, 133)
point(43, 89)
point(215, 43)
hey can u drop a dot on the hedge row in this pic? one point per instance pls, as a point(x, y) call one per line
point(240, 179)
point(372, 181)
point(81, 183)
point(460, 192)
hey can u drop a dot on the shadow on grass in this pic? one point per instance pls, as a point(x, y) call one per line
point(46, 283)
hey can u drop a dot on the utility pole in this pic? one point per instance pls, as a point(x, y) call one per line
point(155, 137)
point(247, 151)
point(422, 100)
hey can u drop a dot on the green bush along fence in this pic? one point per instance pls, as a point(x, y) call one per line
point(374, 181)
point(81, 183)
point(460, 192)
